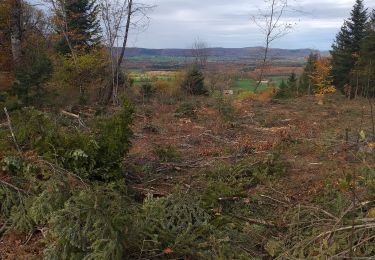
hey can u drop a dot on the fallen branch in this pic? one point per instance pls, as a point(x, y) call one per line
point(364, 226)
point(4, 125)
point(60, 170)
point(337, 256)
point(13, 187)
point(3, 228)
point(230, 199)
point(307, 242)
point(256, 221)
point(196, 163)
point(286, 204)
point(219, 139)
point(76, 116)
point(11, 130)
point(70, 114)
point(150, 191)
point(29, 237)
point(321, 210)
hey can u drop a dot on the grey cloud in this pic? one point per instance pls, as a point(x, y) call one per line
point(176, 23)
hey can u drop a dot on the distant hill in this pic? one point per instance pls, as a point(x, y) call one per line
point(224, 53)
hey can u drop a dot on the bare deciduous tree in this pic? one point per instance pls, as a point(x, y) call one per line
point(118, 17)
point(200, 53)
point(271, 24)
point(112, 14)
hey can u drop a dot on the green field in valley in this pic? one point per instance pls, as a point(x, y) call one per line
point(250, 84)
point(140, 79)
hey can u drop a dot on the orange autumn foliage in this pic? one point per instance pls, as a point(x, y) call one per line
point(321, 77)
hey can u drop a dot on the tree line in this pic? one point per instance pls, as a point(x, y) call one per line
point(74, 47)
point(349, 68)
point(353, 54)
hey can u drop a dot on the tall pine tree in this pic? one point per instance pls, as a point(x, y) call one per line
point(366, 64)
point(345, 50)
point(77, 21)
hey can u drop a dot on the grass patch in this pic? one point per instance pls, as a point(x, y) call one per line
point(248, 84)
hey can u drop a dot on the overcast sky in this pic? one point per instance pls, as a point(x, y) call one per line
point(223, 23)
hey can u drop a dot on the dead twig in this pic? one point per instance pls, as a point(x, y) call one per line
point(339, 255)
point(13, 187)
point(150, 191)
point(256, 221)
point(3, 228)
point(29, 237)
point(196, 163)
point(11, 130)
point(58, 169)
point(276, 200)
point(322, 211)
point(218, 138)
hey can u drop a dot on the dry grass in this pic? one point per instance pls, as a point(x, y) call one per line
point(302, 128)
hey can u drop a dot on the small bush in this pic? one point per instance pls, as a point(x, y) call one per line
point(147, 90)
point(225, 107)
point(193, 83)
point(151, 128)
point(283, 91)
point(186, 109)
point(167, 153)
point(165, 88)
point(82, 77)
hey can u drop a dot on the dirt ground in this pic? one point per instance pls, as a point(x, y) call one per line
point(318, 133)
point(313, 139)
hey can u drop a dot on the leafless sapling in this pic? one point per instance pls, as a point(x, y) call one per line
point(272, 25)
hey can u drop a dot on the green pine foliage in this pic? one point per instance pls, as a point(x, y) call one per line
point(366, 63)
point(30, 87)
point(82, 25)
point(70, 180)
point(288, 89)
point(345, 50)
point(31, 78)
point(283, 91)
point(194, 82)
point(94, 223)
point(187, 109)
point(177, 221)
point(95, 154)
